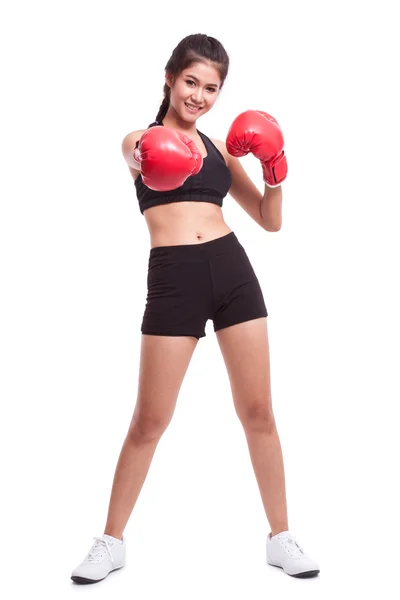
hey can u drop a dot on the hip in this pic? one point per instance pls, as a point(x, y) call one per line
point(189, 270)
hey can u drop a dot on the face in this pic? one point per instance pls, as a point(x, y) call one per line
point(197, 86)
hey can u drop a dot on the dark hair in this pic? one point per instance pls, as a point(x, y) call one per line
point(197, 47)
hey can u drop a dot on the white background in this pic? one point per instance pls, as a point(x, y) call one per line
point(77, 77)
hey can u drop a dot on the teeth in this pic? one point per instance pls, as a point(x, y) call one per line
point(193, 107)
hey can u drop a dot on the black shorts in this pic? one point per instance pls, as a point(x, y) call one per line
point(191, 283)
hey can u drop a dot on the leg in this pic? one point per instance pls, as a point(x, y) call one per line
point(163, 363)
point(245, 350)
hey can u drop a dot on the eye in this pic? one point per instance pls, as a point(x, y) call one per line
point(190, 81)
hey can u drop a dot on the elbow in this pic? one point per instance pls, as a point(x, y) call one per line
point(272, 228)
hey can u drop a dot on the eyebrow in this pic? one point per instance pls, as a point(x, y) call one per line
point(193, 77)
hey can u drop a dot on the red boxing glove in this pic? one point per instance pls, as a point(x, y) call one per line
point(166, 158)
point(257, 132)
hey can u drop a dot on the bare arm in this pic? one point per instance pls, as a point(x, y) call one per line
point(271, 207)
point(127, 147)
point(265, 210)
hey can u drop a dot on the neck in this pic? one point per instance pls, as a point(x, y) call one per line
point(173, 120)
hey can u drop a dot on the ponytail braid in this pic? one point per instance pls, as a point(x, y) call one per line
point(162, 111)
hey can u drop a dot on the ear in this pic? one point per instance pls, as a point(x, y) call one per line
point(169, 80)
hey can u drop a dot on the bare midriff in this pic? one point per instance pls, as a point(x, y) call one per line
point(184, 222)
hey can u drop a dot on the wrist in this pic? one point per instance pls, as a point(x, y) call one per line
point(136, 157)
point(270, 186)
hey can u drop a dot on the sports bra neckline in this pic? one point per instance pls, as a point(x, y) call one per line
point(204, 142)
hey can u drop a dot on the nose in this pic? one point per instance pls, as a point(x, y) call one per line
point(197, 96)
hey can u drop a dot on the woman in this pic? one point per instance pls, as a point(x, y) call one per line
point(199, 270)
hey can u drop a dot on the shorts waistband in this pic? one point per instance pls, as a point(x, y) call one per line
point(202, 250)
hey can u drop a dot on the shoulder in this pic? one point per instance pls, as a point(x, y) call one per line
point(131, 138)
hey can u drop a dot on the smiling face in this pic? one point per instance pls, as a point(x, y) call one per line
point(194, 91)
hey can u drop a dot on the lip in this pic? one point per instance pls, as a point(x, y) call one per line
point(198, 108)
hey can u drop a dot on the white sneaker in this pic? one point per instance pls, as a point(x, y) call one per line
point(107, 554)
point(284, 551)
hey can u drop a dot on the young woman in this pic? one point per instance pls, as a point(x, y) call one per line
point(198, 270)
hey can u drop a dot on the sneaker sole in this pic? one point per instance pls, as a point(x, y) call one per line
point(304, 575)
point(85, 580)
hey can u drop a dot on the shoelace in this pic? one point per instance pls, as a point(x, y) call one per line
point(290, 545)
point(97, 549)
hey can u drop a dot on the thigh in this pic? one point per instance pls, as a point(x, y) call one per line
point(163, 364)
point(245, 349)
point(179, 298)
point(237, 293)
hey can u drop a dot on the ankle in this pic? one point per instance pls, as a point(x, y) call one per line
point(113, 534)
point(279, 530)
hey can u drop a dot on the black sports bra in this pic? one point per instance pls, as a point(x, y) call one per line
point(211, 184)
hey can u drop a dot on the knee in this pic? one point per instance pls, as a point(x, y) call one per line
point(258, 417)
point(147, 428)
